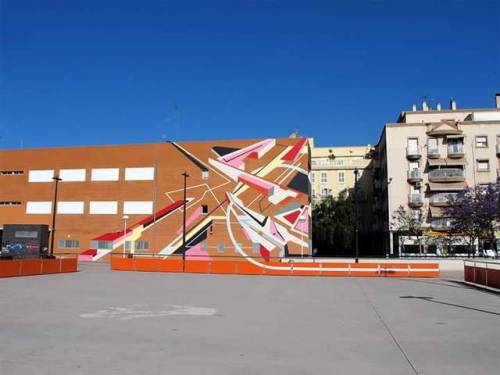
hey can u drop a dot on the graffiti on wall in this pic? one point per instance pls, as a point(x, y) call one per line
point(259, 205)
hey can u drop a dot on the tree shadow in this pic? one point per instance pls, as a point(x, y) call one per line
point(431, 299)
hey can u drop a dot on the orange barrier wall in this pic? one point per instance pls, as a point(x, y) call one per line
point(29, 267)
point(245, 267)
point(483, 273)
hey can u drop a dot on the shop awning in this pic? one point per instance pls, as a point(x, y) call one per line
point(447, 186)
point(446, 162)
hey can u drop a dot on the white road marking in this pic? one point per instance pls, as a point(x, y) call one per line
point(135, 312)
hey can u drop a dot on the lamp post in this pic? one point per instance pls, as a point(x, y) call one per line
point(125, 218)
point(387, 249)
point(54, 212)
point(356, 226)
point(185, 175)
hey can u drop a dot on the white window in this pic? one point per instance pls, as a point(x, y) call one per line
point(41, 175)
point(139, 174)
point(413, 165)
point(70, 208)
point(432, 143)
point(204, 175)
point(481, 141)
point(39, 207)
point(103, 207)
point(324, 192)
point(72, 175)
point(415, 190)
point(338, 162)
point(105, 174)
point(324, 178)
point(312, 177)
point(137, 207)
point(341, 177)
point(413, 143)
point(483, 165)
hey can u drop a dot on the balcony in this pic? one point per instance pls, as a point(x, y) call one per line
point(447, 175)
point(442, 224)
point(433, 153)
point(415, 200)
point(413, 153)
point(414, 175)
point(456, 150)
point(442, 199)
point(498, 150)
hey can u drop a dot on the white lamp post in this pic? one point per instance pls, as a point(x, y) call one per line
point(125, 218)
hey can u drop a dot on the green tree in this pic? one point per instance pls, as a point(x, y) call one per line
point(333, 225)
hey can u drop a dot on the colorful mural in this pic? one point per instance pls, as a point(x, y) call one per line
point(250, 201)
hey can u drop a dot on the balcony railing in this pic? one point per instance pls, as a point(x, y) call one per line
point(447, 175)
point(456, 150)
point(442, 199)
point(433, 152)
point(415, 200)
point(414, 175)
point(442, 224)
point(413, 152)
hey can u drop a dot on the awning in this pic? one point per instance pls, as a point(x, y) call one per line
point(447, 186)
point(446, 162)
point(437, 211)
point(454, 136)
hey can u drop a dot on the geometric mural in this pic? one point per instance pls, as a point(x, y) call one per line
point(255, 204)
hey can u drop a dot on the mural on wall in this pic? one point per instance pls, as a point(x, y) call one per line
point(258, 205)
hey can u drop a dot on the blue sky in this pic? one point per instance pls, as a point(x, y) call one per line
point(101, 72)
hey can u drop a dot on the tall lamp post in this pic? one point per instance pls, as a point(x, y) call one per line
point(54, 213)
point(356, 226)
point(125, 218)
point(387, 249)
point(185, 175)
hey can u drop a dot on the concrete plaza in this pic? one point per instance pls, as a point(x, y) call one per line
point(102, 322)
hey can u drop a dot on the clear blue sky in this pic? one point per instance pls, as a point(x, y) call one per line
point(99, 71)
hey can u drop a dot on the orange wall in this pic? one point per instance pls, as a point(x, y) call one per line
point(169, 164)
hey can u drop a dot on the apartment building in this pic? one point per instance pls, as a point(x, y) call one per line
point(427, 157)
point(332, 171)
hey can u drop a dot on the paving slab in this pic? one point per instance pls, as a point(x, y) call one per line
point(103, 322)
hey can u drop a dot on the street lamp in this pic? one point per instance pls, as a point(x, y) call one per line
point(54, 212)
point(356, 226)
point(125, 218)
point(185, 175)
point(390, 227)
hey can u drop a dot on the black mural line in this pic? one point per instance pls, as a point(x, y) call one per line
point(195, 161)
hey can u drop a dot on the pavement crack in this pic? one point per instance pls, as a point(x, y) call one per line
point(398, 345)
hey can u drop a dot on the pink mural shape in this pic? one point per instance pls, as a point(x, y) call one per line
point(291, 155)
point(195, 215)
point(236, 159)
point(197, 253)
point(303, 222)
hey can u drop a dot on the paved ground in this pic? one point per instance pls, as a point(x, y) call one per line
point(102, 322)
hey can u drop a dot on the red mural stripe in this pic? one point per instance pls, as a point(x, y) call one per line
point(292, 154)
